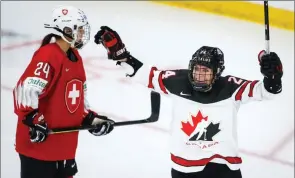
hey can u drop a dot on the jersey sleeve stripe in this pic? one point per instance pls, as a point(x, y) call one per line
point(151, 76)
point(161, 84)
point(252, 87)
point(241, 91)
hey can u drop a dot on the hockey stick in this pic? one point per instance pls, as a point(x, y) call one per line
point(266, 26)
point(155, 111)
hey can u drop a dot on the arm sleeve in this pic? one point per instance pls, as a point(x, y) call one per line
point(246, 91)
point(152, 78)
point(34, 84)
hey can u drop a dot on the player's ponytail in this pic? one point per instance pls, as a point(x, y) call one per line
point(46, 40)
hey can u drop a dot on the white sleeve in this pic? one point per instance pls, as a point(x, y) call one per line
point(149, 76)
point(26, 93)
point(252, 91)
point(86, 102)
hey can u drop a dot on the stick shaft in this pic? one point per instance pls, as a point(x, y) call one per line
point(266, 26)
point(155, 110)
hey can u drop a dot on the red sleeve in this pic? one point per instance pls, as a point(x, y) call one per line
point(35, 82)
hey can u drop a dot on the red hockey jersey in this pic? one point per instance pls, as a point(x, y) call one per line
point(57, 87)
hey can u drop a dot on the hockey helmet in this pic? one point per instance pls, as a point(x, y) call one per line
point(71, 24)
point(210, 57)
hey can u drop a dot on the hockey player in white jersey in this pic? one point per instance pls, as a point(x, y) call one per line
point(204, 126)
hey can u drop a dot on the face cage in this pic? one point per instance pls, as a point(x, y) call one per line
point(199, 86)
point(80, 36)
point(201, 77)
point(81, 39)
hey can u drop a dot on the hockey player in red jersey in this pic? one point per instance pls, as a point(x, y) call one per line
point(204, 126)
point(52, 93)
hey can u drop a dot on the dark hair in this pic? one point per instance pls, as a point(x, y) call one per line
point(46, 40)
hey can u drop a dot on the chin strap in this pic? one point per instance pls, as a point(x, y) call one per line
point(63, 35)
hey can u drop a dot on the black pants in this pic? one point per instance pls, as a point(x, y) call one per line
point(33, 168)
point(212, 170)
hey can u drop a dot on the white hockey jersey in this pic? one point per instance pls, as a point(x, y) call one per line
point(204, 125)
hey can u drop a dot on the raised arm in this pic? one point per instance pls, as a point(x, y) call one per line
point(145, 74)
point(258, 90)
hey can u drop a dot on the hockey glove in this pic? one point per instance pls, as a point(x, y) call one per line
point(102, 123)
point(272, 70)
point(270, 65)
point(112, 42)
point(37, 126)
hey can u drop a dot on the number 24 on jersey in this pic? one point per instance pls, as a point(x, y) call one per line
point(42, 68)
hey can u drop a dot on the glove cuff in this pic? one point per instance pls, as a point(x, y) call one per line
point(33, 118)
point(273, 85)
point(134, 63)
point(260, 54)
point(88, 117)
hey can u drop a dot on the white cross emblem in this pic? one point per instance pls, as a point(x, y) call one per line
point(74, 94)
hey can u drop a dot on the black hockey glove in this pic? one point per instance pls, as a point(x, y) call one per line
point(116, 48)
point(37, 126)
point(272, 70)
point(103, 124)
point(112, 42)
point(270, 65)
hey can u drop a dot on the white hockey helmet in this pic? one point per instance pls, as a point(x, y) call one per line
point(71, 24)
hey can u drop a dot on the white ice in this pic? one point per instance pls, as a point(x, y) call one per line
point(166, 37)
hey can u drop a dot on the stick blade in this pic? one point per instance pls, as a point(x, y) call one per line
point(155, 105)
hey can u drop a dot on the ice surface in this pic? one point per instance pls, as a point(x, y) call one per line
point(166, 37)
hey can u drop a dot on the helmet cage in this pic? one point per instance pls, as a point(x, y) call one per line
point(213, 59)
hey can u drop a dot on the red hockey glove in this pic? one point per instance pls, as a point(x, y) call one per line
point(112, 42)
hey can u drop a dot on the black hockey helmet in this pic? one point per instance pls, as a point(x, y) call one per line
point(210, 57)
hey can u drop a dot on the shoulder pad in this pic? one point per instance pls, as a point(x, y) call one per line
point(175, 79)
point(172, 74)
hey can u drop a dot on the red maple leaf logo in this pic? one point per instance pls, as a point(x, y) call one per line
point(187, 128)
